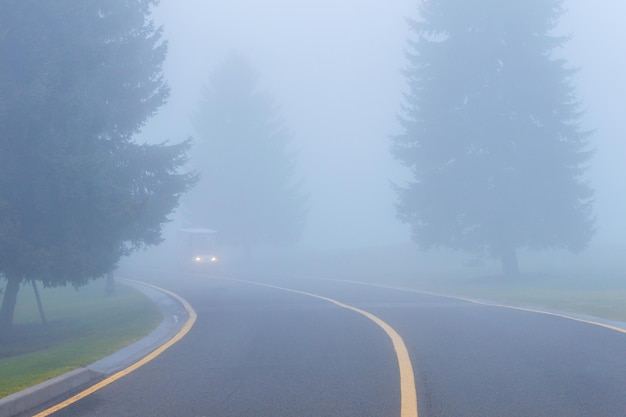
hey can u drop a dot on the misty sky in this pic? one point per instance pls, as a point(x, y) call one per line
point(334, 67)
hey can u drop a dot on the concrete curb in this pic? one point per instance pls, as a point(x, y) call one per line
point(174, 317)
point(20, 402)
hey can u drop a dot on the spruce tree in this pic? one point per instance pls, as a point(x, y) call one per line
point(491, 132)
point(248, 191)
point(79, 80)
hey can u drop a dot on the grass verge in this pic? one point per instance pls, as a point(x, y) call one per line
point(83, 326)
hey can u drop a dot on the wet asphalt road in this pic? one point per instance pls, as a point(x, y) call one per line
point(258, 351)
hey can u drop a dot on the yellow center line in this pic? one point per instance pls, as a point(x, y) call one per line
point(408, 395)
point(183, 331)
point(537, 310)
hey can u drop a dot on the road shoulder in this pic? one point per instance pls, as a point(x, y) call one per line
point(174, 317)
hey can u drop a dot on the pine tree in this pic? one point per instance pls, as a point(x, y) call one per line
point(79, 79)
point(491, 132)
point(248, 189)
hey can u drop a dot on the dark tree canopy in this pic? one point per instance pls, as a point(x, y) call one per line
point(491, 132)
point(248, 190)
point(78, 80)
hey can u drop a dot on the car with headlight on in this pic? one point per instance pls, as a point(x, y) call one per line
point(204, 259)
point(197, 249)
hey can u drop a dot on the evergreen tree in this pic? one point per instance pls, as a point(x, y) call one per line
point(79, 79)
point(248, 190)
point(491, 132)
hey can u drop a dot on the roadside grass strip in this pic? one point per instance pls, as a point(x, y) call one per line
point(82, 326)
point(182, 332)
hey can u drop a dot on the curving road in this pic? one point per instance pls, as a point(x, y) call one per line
point(262, 351)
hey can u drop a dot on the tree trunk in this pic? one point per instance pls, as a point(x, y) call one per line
point(110, 284)
point(8, 304)
point(510, 266)
point(39, 305)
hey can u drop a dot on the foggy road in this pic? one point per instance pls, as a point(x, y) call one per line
point(459, 138)
point(266, 352)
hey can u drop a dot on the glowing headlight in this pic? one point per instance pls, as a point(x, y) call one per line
point(201, 259)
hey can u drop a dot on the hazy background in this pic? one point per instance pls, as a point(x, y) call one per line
point(334, 67)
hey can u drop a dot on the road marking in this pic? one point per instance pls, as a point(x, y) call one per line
point(183, 331)
point(547, 313)
point(562, 315)
point(408, 395)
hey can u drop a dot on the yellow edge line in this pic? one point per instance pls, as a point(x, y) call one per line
point(408, 395)
point(183, 331)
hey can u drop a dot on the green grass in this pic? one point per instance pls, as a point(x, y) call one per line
point(83, 326)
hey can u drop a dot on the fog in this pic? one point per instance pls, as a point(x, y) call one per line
point(335, 69)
